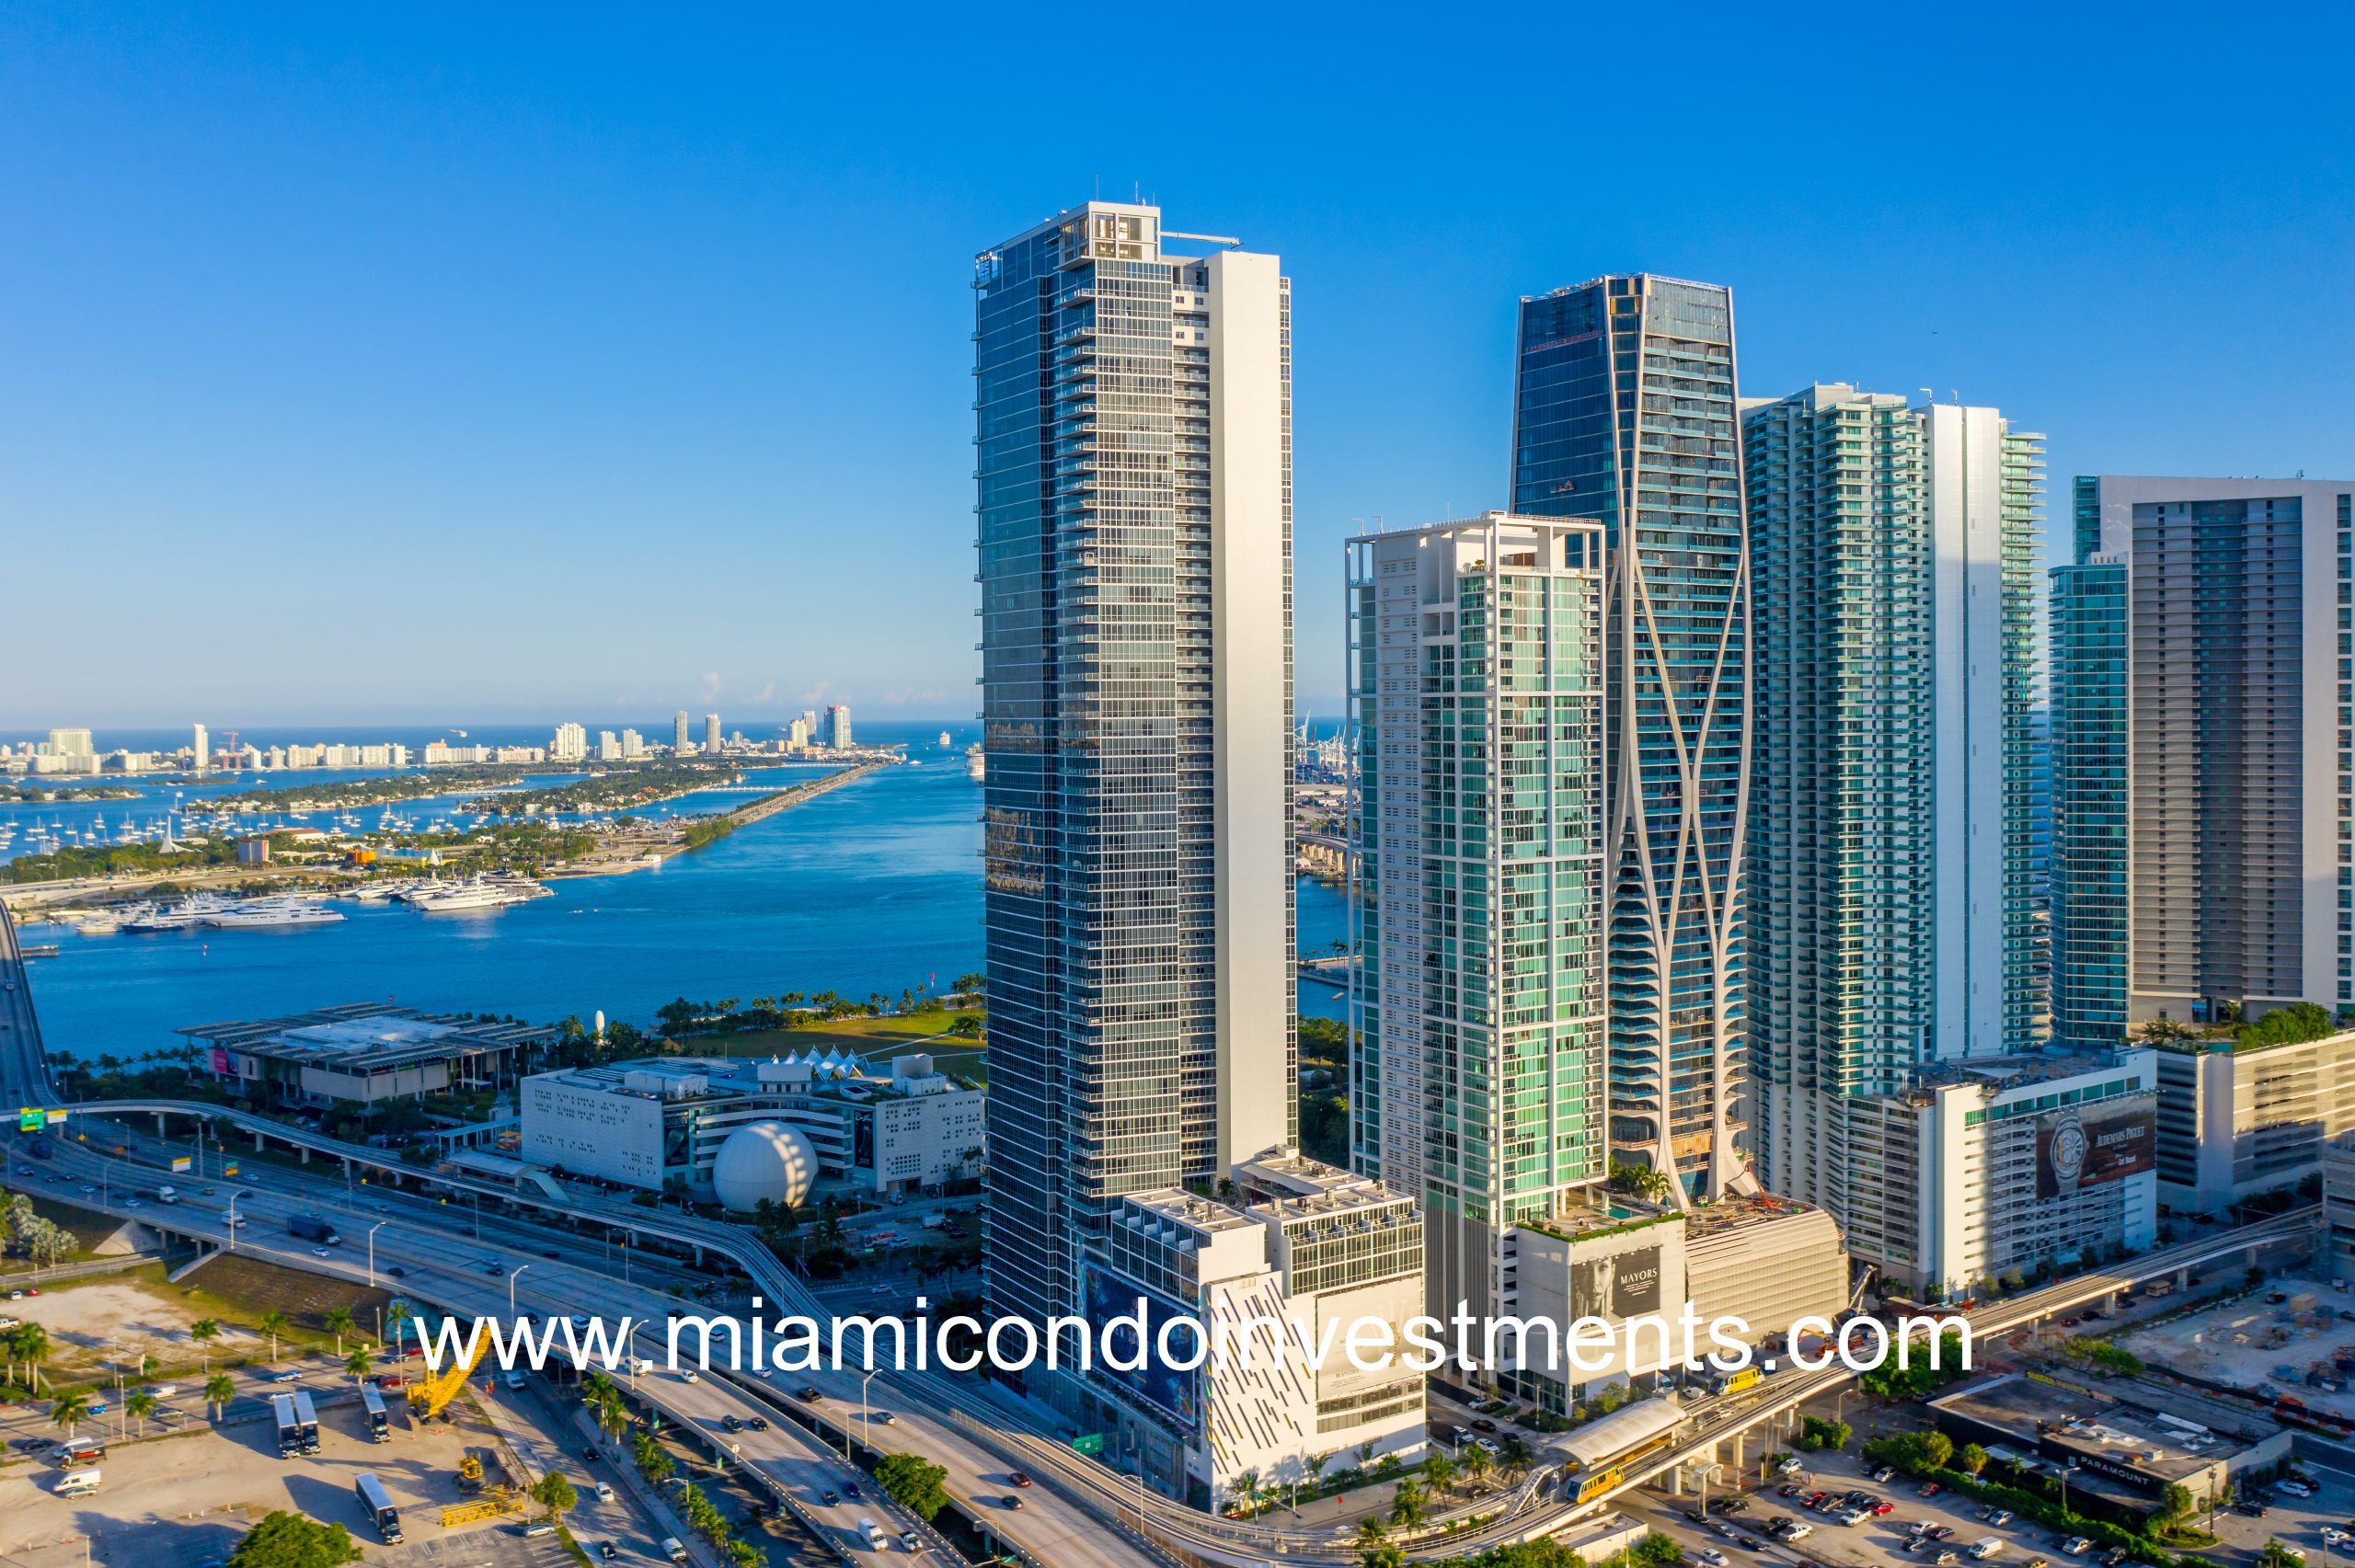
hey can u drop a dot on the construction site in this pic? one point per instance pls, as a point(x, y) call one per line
point(2290, 1339)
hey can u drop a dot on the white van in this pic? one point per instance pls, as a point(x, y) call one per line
point(873, 1533)
point(674, 1549)
point(77, 1483)
point(165, 1195)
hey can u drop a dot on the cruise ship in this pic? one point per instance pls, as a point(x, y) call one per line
point(975, 763)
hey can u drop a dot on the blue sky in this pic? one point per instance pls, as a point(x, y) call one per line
point(494, 364)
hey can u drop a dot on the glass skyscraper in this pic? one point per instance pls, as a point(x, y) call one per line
point(2203, 751)
point(1476, 701)
point(1890, 849)
point(1134, 464)
point(1624, 412)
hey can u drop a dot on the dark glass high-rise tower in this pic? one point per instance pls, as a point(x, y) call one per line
point(1624, 411)
point(1133, 414)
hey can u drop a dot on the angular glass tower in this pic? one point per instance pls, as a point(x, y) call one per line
point(1624, 411)
point(1133, 461)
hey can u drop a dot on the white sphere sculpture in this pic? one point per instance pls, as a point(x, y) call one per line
point(763, 1160)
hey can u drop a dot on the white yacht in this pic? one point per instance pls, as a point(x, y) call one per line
point(274, 913)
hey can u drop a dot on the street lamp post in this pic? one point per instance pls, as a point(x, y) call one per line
point(1708, 1472)
point(372, 1251)
point(510, 1288)
point(234, 1196)
point(866, 1415)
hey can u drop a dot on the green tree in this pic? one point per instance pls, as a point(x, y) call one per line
point(139, 1405)
point(1440, 1473)
point(219, 1390)
point(2287, 1025)
point(2277, 1555)
point(1477, 1466)
point(2174, 1502)
point(273, 1323)
point(1407, 1507)
point(69, 1410)
point(290, 1540)
point(1374, 1550)
point(1655, 1550)
point(338, 1323)
point(554, 1494)
point(357, 1363)
point(204, 1331)
point(1513, 1455)
point(1972, 1459)
point(914, 1483)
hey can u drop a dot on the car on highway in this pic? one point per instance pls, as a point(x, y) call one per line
point(850, 1488)
point(283, 1375)
point(884, 1418)
point(758, 1423)
point(829, 1497)
point(1712, 1556)
point(1018, 1478)
point(604, 1491)
point(321, 1253)
point(732, 1424)
point(909, 1541)
point(396, 1272)
point(2335, 1536)
point(808, 1395)
point(1010, 1503)
point(605, 1551)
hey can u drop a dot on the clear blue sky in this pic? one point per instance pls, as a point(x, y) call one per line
point(464, 364)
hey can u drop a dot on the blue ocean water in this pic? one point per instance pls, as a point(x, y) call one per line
point(873, 887)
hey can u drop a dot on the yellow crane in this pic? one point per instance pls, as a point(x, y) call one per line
point(427, 1396)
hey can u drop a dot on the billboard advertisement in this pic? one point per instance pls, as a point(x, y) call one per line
point(2085, 1146)
point(1106, 1295)
point(1623, 1285)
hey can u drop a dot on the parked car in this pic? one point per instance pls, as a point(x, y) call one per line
point(2077, 1546)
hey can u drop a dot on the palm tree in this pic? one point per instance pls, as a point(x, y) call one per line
point(1514, 1455)
point(396, 1315)
point(69, 1410)
point(204, 1331)
point(338, 1323)
point(1478, 1465)
point(1315, 1464)
point(273, 1323)
point(1440, 1471)
point(28, 1343)
point(357, 1363)
point(219, 1390)
point(139, 1407)
point(613, 1416)
point(1247, 1487)
point(1407, 1504)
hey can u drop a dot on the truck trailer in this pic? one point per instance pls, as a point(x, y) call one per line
point(290, 1431)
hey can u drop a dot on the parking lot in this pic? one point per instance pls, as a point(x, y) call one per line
point(1879, 1543)
point(213, 1484)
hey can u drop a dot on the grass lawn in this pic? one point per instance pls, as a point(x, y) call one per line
point(877, 1039)
point(239, 1289)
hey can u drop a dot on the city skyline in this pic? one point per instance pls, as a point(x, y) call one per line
point(291, 281)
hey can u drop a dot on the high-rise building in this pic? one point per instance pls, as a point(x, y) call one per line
point(633, 745)
point(1892, 918)
point(571, 744)
point(810, 722)
point(609, 747)
point(1624, 412)
point(1135, 512)
point(70, 743)
point(203, 748)
point(711, 735)
point(680, 746)
point(2202, 793)
point(1475, 672)
point(838, 734)
point(797, 734)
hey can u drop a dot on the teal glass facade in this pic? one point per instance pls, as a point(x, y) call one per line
point(2090, 915)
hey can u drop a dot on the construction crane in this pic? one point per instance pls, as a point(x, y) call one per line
point(427, 1396)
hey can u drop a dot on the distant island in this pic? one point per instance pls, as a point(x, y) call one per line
point(63, 794)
